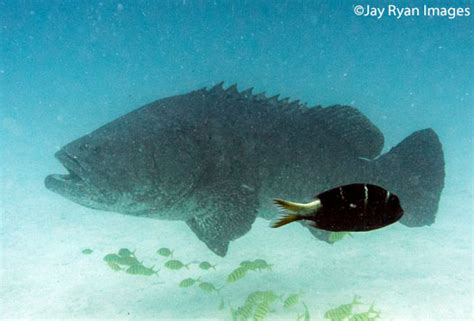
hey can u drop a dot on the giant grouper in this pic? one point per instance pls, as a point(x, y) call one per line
point(215, 158)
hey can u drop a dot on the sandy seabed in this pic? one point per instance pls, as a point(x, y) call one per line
point(409, 273)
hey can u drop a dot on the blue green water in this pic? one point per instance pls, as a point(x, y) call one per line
point(69, 67)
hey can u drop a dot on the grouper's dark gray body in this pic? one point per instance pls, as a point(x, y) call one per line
point(216, 158)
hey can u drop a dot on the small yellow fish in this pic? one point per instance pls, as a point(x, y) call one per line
point(186, 283)
point(341, 312)
point(126, 253)
point(114, 266)
point(208, 287)
point(254, 297)
point(247, 264)
point(269, 296)
point(206, 266)
point(176, 265)
point(114, 258)
point(139, 269)
point(131, 260)
point(164, 251)
point(245, 312)
point(261, 311)
point(369, 315)
point(291, 300)
point(260, 296)
point(260, 265)
point(237, 274)
point(257, 264)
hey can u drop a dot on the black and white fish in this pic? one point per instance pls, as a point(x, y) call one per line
point(354, 207)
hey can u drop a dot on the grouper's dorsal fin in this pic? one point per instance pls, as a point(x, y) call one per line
point(247, 93)
point(217, 89)
point(346, 123)
point(232, 92)
point(349, 125)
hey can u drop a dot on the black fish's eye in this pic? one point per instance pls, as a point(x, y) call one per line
point(394, 201)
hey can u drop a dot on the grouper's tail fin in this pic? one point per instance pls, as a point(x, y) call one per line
point(414, 170)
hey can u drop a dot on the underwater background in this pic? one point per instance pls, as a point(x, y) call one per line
point(68, 67)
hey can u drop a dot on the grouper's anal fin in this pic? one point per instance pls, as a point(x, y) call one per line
point(226, 211)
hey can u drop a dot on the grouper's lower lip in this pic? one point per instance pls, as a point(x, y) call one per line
point(73, 188)
point(66, 177)
point(61, 183)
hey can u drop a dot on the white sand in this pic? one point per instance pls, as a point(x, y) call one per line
point(410, 273)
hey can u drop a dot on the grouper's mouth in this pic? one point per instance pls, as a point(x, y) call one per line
point(75, 185)
point(70, 184)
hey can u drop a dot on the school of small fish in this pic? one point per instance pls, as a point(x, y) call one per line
point(258, 304)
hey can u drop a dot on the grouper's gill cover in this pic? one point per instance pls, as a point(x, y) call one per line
point(215, 158)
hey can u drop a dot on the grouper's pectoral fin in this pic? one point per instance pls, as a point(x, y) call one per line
point(225, 212)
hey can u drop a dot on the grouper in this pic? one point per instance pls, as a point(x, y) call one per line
point(216, 158)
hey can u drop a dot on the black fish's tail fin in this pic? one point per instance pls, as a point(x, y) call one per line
point(284, 219)
point(289, 215)
point(414, 170)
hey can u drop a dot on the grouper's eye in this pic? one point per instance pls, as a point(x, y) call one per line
point(90, 148)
